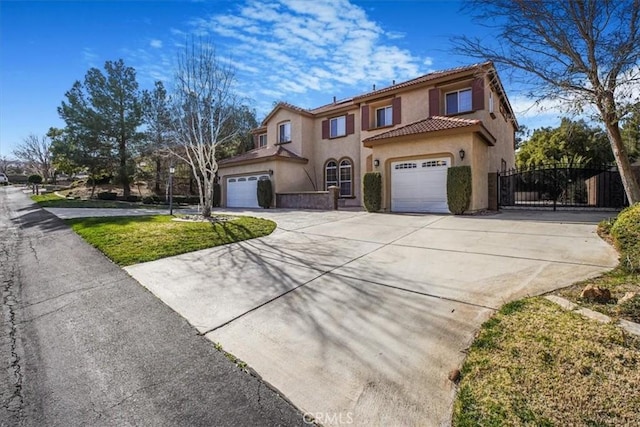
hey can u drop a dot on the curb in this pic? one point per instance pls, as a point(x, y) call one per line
point(631, 327)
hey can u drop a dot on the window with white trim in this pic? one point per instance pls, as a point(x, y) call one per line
point(458, 101)
point(339, 175)
point(331, 174)
point(384, 116)
point(345, 178)
point(284, 132)
point(338, 127)
point(262, 140)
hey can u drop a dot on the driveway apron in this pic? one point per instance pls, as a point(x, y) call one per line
point(358, 318)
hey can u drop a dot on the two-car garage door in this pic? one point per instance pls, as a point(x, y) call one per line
point(242, 191)
point(419, 186)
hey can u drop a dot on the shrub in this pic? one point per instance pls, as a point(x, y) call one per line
point(626, 235)
point(265, 193)
point(107, 195)
point(372, 187)
point(217, 195)
point(150, 200)
point(186, 200)
point(459, 189)
point(34, 179)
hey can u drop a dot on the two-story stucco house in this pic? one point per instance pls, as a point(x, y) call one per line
point(410, 132)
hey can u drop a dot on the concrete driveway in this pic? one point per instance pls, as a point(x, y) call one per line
point(357, 317)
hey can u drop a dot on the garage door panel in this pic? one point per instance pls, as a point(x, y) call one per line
point(242, 192)
point(419, 186)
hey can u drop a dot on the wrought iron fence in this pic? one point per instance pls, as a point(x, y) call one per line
point(562, 185)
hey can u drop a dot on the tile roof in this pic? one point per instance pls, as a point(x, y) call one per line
point(260, 154)
point(425, 78)
point(354, 100)
point(430, 124)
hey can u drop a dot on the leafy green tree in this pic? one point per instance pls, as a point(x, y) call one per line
point(583, 54)
point(82, 143)
point(572, 139)
point(159, 132)
point(240, 124)
point(631, 133)
point(103, 115)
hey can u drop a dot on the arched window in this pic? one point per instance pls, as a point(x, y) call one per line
point(346, 178)
point(330, 174)
point(339, 174)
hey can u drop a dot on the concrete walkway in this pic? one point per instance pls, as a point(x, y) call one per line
point(360, 317)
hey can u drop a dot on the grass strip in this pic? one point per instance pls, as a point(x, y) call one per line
point(132, 240)
point(51, 200)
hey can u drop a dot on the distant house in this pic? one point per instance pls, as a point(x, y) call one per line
point(411, 132)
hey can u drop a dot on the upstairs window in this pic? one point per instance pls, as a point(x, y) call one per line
point(384, 116)
point(458, 102)
point(284, 132)
point(262, 140)
point(338, 127)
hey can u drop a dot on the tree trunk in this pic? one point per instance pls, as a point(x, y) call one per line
point(158, 165)
point(629, 181)
point(124, 176)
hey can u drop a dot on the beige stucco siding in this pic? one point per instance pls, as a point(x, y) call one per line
point(420, 147)
point(346, 147)
point(287, 176)
point(296, 120)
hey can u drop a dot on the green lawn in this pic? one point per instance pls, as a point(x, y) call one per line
point(50, 200)
point(131, 240)
point(534, 363)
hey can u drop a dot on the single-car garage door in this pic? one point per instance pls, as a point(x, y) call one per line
point(419, 186)
point(242, 191)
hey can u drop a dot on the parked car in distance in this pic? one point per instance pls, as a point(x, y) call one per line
point(3, 179)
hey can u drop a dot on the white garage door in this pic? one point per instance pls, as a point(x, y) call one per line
point(242, 191)
point(419, 186)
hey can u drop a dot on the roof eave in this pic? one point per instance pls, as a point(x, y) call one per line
point(476, 128)
point(262, 160)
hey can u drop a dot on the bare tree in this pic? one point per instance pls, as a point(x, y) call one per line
point(4, 164)
point(35, 152)
point(580, 52)
point(202, 104)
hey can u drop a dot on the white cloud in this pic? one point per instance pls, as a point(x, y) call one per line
point(90, 57)
point(156, 44)
point(287, 48)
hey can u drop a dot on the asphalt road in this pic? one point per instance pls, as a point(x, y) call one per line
point(82, 343)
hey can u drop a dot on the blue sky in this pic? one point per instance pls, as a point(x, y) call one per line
point(300, 51)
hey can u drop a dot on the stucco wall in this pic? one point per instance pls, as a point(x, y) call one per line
point(287, 176)
point(339, 148)
point(443, 146)
point(324, 200)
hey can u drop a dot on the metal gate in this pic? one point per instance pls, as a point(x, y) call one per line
point(562, 185)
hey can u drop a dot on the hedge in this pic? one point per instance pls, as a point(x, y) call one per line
point(265, 193)
point(459, 189)
point(372, 187)
point(107, 195)
point(626, 235)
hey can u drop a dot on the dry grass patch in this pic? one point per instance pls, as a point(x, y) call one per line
point(535, 364)
point(619, 283)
